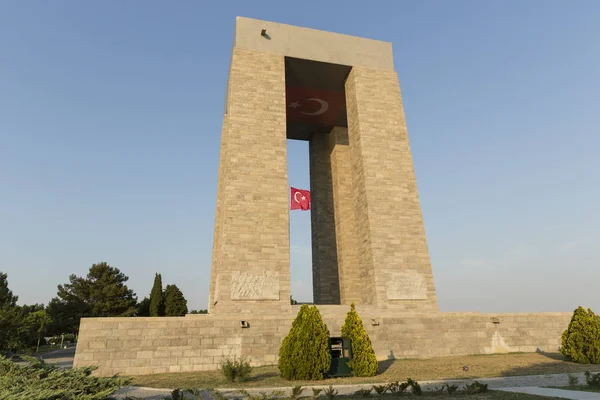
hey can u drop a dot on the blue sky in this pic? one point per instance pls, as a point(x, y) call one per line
point(110, 122)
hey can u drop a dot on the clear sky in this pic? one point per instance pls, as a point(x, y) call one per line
point(110, 123)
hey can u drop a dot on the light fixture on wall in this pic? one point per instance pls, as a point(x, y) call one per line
point(244, 324)
point(263, 33)
point(375, 322)
point(495, 320)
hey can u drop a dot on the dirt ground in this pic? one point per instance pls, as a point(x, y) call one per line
point(477, 366)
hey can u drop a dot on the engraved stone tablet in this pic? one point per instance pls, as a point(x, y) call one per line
point(255, 286)
point(406, 285)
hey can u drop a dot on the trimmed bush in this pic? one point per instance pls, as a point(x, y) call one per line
point(581, 340)
point(235, 370)
point(363, 362)
point(304, 354)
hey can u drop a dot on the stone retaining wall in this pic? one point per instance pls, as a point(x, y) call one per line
point(136, 346)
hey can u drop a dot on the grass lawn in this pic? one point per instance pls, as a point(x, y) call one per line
point(480, 366)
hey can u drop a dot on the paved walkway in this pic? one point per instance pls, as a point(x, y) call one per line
point(510, 383)
point(547, 392)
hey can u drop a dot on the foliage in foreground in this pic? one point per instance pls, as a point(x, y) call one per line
point(364, 361)
point(40, 381)
point(235, 370)
point(304, 353)
point(581, 340)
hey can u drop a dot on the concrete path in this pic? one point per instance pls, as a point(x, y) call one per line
point(510, 382)
point(62, 358)
point(547, 392)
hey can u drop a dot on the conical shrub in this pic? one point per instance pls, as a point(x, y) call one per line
point(304, 353)
point(363, 362)
point(581, 340)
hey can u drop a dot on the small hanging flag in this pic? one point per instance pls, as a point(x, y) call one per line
point(300, 199)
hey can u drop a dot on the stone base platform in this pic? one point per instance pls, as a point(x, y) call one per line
point(137, 346)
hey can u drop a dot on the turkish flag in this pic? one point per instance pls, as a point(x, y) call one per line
point(300, 199)
point(315, 106)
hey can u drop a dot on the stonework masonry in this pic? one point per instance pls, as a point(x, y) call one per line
point(369, 244)
point(136, 346)
point(251, 251)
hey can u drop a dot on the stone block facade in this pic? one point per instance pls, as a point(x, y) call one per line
point(369, 244)
point(251, 251)
point(138, 346)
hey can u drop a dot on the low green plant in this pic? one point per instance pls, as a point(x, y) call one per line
point(296, 392)
point(235, 370)
point(397, 388)
point(573, 380)
point(316, 392)
point(592, 380)
point(39, 381)
point(476, 388)
point(365, 392)
point(415, 387)
point(330, 392)
point(380, 389)
point(450, 389)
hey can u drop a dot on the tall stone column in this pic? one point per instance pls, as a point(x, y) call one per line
point(326, 283)
point(251, 252)
point(390, 230)
point(354, 282)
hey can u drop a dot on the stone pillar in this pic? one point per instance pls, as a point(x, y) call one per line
point(251, 252)
point(326, 284)
point(390, 230)
point(353, 281)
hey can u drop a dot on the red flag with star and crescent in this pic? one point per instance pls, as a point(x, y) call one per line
point(300, 199)
point(315, 106)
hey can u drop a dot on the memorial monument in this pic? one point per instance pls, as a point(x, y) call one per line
point(341, 94)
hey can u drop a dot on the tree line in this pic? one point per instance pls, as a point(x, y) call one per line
point(103, 292)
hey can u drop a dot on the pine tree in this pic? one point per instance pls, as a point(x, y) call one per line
point(157, 299)
point(102, 293)
point(175, 303)
point(581, 340)
point(304, 353)
point(363, 362)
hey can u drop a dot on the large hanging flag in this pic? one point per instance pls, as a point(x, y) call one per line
point(300, 199)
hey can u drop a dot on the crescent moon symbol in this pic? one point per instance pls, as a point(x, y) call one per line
point(323, 109)
point(296, 198)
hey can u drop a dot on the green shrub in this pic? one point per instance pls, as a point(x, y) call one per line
point(581, 340)
point(304, 353)
point(397, 388)
point(450, 388)
point(363, 362)
point(235, 370)
point(592, 380)
point(414, 385)
point(365, 392)
point(330, 392)
point(573, 380)
point(315, 393)
point(39, 381)
point(296, 392)
point(476, 388)
point(380, 389)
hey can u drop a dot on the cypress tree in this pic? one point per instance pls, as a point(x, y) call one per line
point(581, 339)
point(304, 353)
point(363, 362)
point(157, 299)
point(175, 303)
